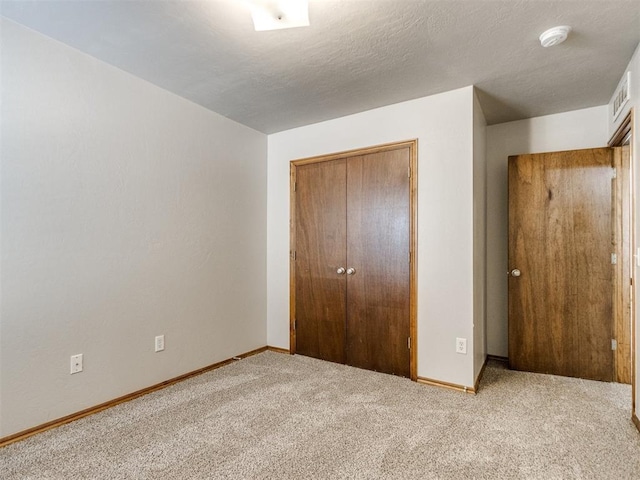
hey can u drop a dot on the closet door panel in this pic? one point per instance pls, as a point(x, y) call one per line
point(378, 241)
point(320, 298)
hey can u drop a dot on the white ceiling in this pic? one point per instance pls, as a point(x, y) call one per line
point(356, 55)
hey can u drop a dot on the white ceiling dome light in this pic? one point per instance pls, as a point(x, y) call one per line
point(554, 36)
point(279, 14)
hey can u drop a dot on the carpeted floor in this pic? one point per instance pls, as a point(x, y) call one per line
point(279, 416)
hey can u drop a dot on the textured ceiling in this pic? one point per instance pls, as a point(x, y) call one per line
point(356, 55)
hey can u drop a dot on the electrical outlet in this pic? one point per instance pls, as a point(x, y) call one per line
point(159, 343)
point(76, 363)
point(461, 345)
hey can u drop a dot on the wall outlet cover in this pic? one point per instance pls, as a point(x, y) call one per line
point(76, 363)
point(159, 345)
point(461, 345)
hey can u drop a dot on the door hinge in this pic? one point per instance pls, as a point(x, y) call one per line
point(409, 172)
point(614, 344)
point(294, 323)
point(614, 259)
point(293, 255)
point(409, 343)
point(409, 257)
point(614, 173)
point(295, 186)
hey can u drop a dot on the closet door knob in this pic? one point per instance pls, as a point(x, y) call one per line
point(340, 271)
point(351, 271)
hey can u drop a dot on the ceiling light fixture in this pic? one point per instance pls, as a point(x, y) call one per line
point(279, 14)
point(554, 36)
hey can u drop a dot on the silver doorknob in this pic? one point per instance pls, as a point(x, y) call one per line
point(515, 272)
point(351, 271)
point(340, 271)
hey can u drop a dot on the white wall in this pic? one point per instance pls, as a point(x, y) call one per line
point(127, 212)
point(443, 125)
point(479, 238)
point(575, 130)
point(634, 102)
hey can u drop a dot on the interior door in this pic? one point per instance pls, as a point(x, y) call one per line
point(353, 226)
point(378, 222)
point(560, 245)
point(320, 285)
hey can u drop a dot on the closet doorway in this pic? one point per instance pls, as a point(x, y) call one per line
point(353, 258)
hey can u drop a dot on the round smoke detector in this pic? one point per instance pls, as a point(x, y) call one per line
point(554, 36)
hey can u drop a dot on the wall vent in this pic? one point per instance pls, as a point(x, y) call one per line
point(622, 95)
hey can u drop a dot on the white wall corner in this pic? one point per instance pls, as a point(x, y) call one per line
point(479, 349)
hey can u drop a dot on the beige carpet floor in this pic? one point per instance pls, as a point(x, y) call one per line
point(290, 417)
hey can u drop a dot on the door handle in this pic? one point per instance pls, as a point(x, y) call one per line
point(351, 271)
point(515, 272)
point(340, 271)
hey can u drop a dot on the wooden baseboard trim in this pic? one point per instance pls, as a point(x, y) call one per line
point(450, 386)
point(498, 358)
point(279, 350)
point(16, 437)
point(636, 421)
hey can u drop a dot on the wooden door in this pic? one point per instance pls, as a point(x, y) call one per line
point(560, 230)
point(378, 221)
point(320, 233)
point(353, 287)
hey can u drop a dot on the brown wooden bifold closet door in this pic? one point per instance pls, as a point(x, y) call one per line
point(351, 263)
point(378, 218)
point(321, 243)
point(560, 283)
